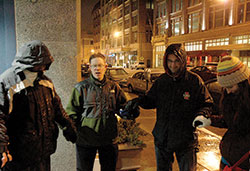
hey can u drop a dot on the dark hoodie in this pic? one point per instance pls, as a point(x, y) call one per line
point(32, 54)
point(29, 108)
point(178, 101)
point(180, 54)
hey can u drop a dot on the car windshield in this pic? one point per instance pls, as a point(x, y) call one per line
point(117, 72)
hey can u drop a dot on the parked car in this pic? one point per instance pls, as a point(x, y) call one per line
point(138, 83)
point(204, 72)
point(117, 74)
point(85, 70)
point(216, 91)
point(139, 65)
point(212, 66)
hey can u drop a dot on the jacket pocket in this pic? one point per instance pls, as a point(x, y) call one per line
point(93, 123)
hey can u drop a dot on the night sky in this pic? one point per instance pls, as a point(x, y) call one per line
point(87, 9)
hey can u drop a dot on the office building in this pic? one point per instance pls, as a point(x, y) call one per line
point(126, 31)
point(207, 29)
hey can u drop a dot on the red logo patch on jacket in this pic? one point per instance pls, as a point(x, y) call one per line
point(186, 95)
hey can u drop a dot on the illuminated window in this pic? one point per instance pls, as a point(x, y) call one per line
point(194, 21)
point(161, 28)
point(245, 57)
point(176, 5)
point(193, 46)
point(176, 26)
point(159, 55)
point(244, 39)
point(216, 42)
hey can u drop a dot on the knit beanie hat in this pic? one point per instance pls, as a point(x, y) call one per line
point(231, 71)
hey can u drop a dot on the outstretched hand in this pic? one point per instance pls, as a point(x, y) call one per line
point(201, 121)
point(131, 110)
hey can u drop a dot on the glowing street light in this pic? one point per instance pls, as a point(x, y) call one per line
point(117, 34)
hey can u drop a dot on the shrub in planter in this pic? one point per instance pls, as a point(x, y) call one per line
point(129, 132)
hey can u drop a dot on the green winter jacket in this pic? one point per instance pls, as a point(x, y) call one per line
point(93, 105)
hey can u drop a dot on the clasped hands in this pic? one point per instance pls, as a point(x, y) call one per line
point(131, 110)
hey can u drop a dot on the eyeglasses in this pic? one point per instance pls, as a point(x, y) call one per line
point(97, 66)
point(175, 61)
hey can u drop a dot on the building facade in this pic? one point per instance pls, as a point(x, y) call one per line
point(208, 29)
point(87, 47)
point(126, 31)
point(96, 12)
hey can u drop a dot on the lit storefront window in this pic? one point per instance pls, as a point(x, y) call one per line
point(216, 42)
point(193, 46)
point(159, 55)
point(245, 57)
point(244, 39)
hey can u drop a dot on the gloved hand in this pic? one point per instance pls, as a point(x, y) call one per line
point(131, 110)
point(201, 121)
point(70, 134)
point(5, 157)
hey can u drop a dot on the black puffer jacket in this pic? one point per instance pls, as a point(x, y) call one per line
point(29, 110)
point(178, 100)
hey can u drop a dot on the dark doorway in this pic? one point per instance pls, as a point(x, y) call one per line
point(7, 34)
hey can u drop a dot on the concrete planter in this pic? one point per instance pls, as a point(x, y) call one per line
point(128, 157)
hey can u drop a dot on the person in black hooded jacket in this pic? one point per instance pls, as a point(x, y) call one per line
point(30, 110)
point(182, 102)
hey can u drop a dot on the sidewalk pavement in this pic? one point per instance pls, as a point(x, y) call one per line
point(208, 156)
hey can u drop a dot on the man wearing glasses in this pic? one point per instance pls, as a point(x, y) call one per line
point(92, 106)
point(182, 102)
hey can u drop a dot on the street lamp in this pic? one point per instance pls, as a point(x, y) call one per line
point(117, 34)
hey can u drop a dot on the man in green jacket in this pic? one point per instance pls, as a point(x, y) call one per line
point(93, 105)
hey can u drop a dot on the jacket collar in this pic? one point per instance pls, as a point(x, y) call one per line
point(97, 82)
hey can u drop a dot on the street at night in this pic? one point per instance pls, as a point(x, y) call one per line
point(194, 53)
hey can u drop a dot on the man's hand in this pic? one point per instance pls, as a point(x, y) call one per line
point(201, 121)
point(70, 134)
point(5, 157)
point(131, 110)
